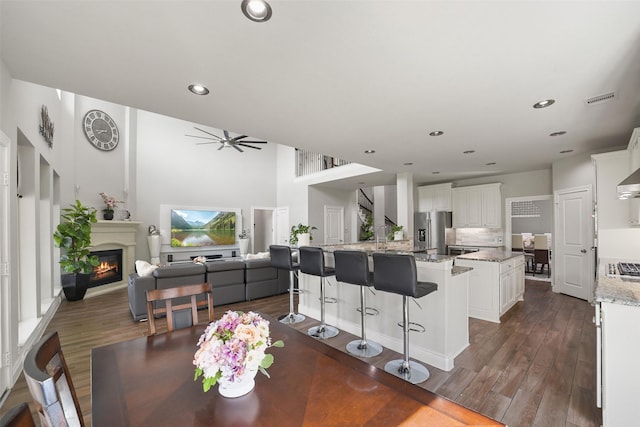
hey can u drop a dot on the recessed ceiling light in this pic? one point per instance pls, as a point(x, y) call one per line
point(369, 151)
point(545, 103)
point(198, 89)
point(468, 151)
point(566, 151)
point(436, 133)
point(408, 164)
point(562, 132)
point(256, 10)
point(490, 164)
point(435, 172)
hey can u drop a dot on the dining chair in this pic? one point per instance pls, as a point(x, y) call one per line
point(50, 385)
point(541, 253)
point(180, 315)
point(18, 416)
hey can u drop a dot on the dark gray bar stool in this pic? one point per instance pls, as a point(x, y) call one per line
point(312, 262)
point(397, 274)
point(281, 259)
point(353, 267)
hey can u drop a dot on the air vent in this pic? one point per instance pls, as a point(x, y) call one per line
point(599, 99)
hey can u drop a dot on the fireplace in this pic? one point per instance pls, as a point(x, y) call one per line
point(109, 268)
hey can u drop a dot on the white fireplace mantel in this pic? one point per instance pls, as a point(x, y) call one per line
point(106, 235)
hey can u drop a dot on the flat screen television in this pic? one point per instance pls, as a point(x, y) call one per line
point(202, 227)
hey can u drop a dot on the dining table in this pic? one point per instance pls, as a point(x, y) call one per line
point(149, 381)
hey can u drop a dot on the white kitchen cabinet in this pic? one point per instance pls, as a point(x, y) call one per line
point(434, 197)
point(494, 287)
point(620, 355)
point(478, 206)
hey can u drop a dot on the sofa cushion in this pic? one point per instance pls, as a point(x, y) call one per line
point(224, 266)
point(258, 270)
point(180, 270)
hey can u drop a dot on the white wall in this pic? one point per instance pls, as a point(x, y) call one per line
point(531, 183)
point(172, 169)
point(291, 191)
point(321, 196)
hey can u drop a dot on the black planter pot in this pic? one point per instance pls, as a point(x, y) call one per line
point(108, 215)
point(75, 285)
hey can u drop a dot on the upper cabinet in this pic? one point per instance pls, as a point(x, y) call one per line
point(478, 206)
point(434, 197)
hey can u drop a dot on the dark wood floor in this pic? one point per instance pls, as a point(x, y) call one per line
point(536, 368)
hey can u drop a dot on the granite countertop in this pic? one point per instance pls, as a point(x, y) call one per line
point(481, 245)
point(432, 258)
point(459, 270)
point(618, 291)
point(492, 255)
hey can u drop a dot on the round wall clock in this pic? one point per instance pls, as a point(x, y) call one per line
point(100, 130)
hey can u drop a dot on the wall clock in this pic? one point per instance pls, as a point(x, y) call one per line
point(100, 130)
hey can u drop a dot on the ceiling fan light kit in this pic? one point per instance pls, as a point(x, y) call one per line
point(235, 142)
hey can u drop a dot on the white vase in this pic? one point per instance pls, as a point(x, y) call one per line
point(304, 239)
point(398, 235)
point(241, 386)
point(244, 247)
point(154, 248)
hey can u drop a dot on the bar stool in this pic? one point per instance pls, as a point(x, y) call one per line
point(397, 274)
point(312, 263)
point(353, 267)
point(281, 259)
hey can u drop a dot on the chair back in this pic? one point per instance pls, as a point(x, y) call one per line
point(516, 242)
point(352, 267)
point(395, 273)
point(177, 315)
point(18, 416)
point(540, 241)
point(50, 385)
point(312, 261)
point(281, 257)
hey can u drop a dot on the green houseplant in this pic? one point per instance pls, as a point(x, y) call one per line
point(395, 229)
point(299, 229)
point(73, 235)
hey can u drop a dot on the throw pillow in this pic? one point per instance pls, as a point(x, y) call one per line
point(143, 268)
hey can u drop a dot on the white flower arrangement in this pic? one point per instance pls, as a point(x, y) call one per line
point(231, 346)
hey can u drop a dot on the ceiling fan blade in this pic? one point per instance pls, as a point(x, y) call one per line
point(255, 142)
point(208, 133)
point(204, 143)
point(221, 147)
point(238, 137)
point(204, 137)
point(237, 148)
point(245, 145)
point(226, 134)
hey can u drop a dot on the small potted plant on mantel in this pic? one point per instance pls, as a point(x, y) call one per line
point(301, 235)
point(73, 235)
point(396, 233)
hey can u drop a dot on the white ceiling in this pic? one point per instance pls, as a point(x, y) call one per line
point(340, 77)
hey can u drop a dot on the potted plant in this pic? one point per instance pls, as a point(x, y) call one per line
point(73, 235)
point(396, 233)
point(111, 203)
point(301, 235)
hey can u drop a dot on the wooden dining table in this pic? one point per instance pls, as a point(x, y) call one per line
point(149, 381)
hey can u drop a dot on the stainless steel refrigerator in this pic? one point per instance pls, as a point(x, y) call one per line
point(431, 230)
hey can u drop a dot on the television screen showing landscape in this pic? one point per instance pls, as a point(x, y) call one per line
point(192, 228)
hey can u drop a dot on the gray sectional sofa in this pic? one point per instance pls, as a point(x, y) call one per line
point(233, 281)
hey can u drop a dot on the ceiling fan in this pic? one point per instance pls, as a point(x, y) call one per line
point(227, 141)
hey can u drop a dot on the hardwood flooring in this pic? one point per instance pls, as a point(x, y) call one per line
point(536, 368)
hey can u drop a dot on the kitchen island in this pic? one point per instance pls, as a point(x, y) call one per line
point(442, 314)
point(496, 282)
point(617, 319)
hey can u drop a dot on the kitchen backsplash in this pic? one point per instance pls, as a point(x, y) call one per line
point(477, 236)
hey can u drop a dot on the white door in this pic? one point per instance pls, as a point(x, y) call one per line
point(282, 226)
point(333, 225)
point(573, 261)
point(262, 235)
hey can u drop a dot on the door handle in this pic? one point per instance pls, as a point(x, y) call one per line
point(584, 251)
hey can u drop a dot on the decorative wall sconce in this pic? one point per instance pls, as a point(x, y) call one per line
point(46, 126)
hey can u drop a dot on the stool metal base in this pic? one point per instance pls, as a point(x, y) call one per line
point(368, 349)
point(415, 373)
point(291, 318)
point(322, 332)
